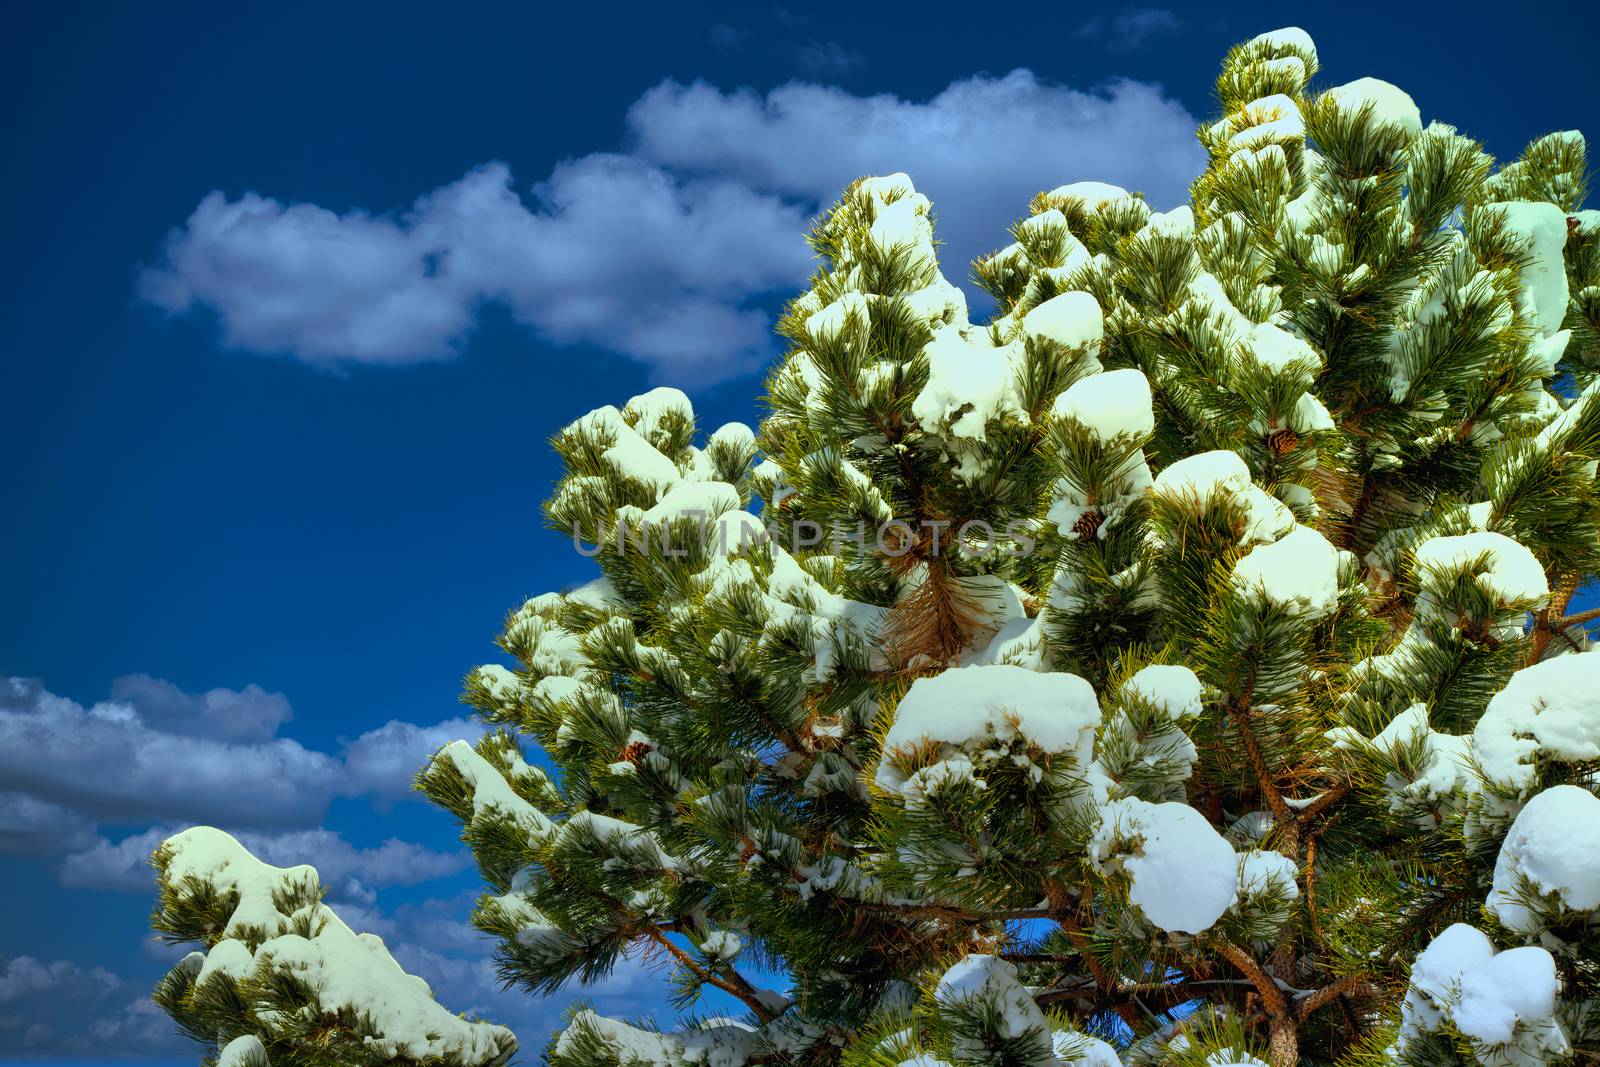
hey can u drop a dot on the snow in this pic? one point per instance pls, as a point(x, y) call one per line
point(1299, 572)
point(1553, 847)
point(1094, 195)
point(1268, 118)
point(1279, 351)
point(1517, 986)
point(1173, 689)
point(886, 187)
point(1207, 292)
point(1070, 319)
point(245, 1051)
point(1442, 768)
point(1115, 403)
point(1287, 38)
point(1310, 415)
point(1081, 1050)
point(1437, 971)
point(1546, 352)
point(1179, 222)
point(1391, 106)
point(347, 971)
point(1049, 219)
point(1266, 871)
point(734, 435)
point(1551, 708)
point(720, 944)
point(1198, 477)
point(1184, 874)
point(714, 1043)
point(702, 500)
point(652, 407)
point(990, 982)
point(492, 796)
point(1513, 574)
point(1544, 278)
point(968, 384)
point(824, 325)
point(904, 226)
point(984, 704)
point(629, 453)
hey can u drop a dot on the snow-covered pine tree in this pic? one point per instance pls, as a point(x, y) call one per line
point(1176, 669)
point(282, 979)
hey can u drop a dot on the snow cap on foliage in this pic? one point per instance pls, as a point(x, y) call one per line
point(1184, 874)
point(1513, 574)
point(1300, 572)
point(1552, 849)
point(991, 982)
point(1172, 688)
point(978, 707)
point(1551, 708)
point(968, 384)
point(1070, 319)
point(1543, 228)
point(1114, 403)
point(346, 971)
point(1391, 105)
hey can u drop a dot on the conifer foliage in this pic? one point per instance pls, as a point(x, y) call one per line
point(1178, 668)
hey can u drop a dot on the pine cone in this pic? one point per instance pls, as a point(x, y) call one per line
point(1088, 524)
point(635, 751)
point(1283, 441)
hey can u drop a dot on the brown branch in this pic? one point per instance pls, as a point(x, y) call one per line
point(735, 985)
point(1350, 983)
point(1576, 619)
point(1283, 1047)
point(1281, 813)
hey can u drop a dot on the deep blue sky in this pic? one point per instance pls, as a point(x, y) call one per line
point(351, 535)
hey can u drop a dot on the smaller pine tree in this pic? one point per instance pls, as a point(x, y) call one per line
point(282, 979)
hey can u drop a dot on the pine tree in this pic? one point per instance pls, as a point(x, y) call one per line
point(1178, 668)
point(284, 981)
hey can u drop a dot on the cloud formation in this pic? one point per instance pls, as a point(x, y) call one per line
point(672, 251)
point(1129, 28)
point(980, 149)
point(154, 753)
point(125, 865)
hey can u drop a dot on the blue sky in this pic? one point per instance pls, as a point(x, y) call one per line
point(297, 294)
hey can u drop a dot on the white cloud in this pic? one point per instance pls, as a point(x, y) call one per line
point(248, 714)
point(615, 253)
point(980, 149)
point(1130, 27)
point(108, 764)
point(33, 827)
point(383, 762)
point(153, 754)
point(26, 976)
point(125, 865)
point(666, 253)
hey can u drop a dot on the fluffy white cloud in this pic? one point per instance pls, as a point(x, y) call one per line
point(108, 764)
point(670, 252)
point(26, 976)
point(980, 149)
point(125, 865)
point(33, 827)
point(382, 763)
point(248, 714)
point(154, 753)
point(615, 253)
